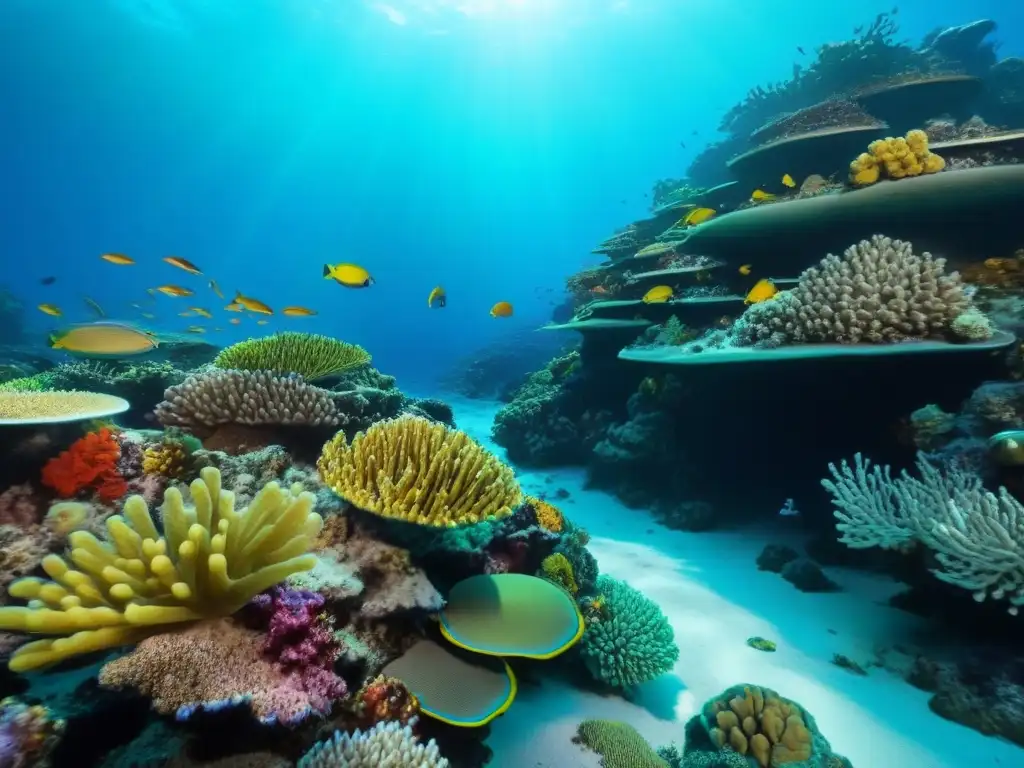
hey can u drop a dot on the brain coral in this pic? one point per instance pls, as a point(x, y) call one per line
point(879, 291)
point(629, 641)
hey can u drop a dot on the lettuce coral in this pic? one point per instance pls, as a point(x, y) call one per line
point(630, 640)
point(90, 463)
point(209, 562)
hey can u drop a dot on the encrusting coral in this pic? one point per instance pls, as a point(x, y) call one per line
point(209, 562)
point(307, 354)
point(244, 397)
point(895, 159)
point(386, 745)
point(421, 472)
point(879, 291)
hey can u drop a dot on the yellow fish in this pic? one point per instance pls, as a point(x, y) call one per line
point(659, 294)
point(104, 340)
point(763, 290)
point(216, 289)
point(297, 312)
point(437, 295)
point(262, 322)
point(187, 313)
point(348, 275)
point(759, 195)
point(180, 263)
point(235, 320)
point(253, 305)
point(201, 312)
point(234, 306)
point(174, 290)
point(787, 180)
point(117, 258)
point(50, 309)
point(697, 216)
point(501, 309)
point(746, 269)
point(195, 329)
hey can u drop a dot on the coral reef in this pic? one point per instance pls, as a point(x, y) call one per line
point(877, 292)
point(138, 580)
point(142, 383)
point(421, 472)
point(28, 734)
point(309, 355)
point(629, 641)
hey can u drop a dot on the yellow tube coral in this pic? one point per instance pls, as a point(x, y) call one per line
point(209, 562)
point(419, 471)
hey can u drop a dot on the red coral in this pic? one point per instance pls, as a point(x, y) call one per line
point(90, 463)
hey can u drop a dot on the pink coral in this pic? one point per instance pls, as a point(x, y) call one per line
point(213, 665)
point(19, 505)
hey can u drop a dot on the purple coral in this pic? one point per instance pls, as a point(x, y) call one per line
point(299, 640)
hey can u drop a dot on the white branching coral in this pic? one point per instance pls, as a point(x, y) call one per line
point(386, 745)
point(878, 291)
point(977, 536)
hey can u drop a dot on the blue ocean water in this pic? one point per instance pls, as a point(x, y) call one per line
point(483, 145)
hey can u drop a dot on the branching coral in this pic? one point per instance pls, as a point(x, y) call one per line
point(896, 159)
point(243, 397)
point(89, 464)
point(421, 472)
point(306, 354)
point(879, 291)
point(210, 561)
point(386, 745)
point(629, 641)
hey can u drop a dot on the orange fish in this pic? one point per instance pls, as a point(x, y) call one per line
point(501, 309)
point(180, 263)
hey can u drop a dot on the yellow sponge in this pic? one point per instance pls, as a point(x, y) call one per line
point(897, 157)
point(209, 562)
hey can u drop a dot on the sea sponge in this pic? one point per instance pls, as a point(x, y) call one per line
point(37, 407)
point(629, 641)
point(386, 745)
point(557, 568)
point(209, 562)
point(897, 157)
point(243, 397)
point(90, 463)
point(419, 471)
point(307, 354)
point(879, 291)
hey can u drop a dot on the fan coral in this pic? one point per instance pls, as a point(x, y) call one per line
point(898, 158)
point(33, 407)
point(421, 472)
point(210, 562)
point(89, 464)
point(557, 568)
point(631, 641)
point(386, 745)
point(242, 397)
point(306, 354)
point(210, 666)
point(878, 291)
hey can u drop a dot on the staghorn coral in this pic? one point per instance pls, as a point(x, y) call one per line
point(36, 407)
point(618, 744)
point(895, 159)
point(89, 464)
point(243, 397)
point(210, 561)
point(307, 354)
point(630, 641)
point(556, 568)
point(386, 745)
point(210, 666)
point(879, 291)
point(421, 472)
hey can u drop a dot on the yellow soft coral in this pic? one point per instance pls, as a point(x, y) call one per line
point(168, 459)
point(549, 517)
point(556, 568)
point(209, 562)
point(419, 471)
point(763, 725)
point(898, 157)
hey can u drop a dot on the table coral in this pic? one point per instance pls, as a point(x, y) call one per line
point(35, 407)
point(308, 354)
point(213, 665)
point(89, 464)
point(421, 472)
point(209, 562)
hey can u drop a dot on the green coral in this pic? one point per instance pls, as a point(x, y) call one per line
point(37, 383)
point(308, 354)
point(557, 569)
point(673, 333)
point(630, 640)
point(618, 744)
point(141, 383)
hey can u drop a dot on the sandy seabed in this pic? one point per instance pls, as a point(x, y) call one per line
point(715, 598)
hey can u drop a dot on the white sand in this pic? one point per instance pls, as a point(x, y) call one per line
point(709, 587)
